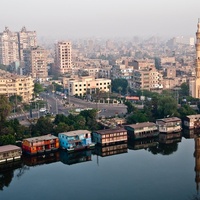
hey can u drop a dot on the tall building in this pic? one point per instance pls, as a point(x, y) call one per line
point(9, 47)
point(27, 39)
point(13, 44)
point(63, 60)
point(197, 80)
point(36, 63)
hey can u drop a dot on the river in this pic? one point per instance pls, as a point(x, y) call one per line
point(139, 170)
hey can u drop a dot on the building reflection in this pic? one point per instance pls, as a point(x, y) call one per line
point(111, 150)
point(197, 160)
point(41, 159)
point(142, 143)
point(7, 172)
point(76, 157)
point(169, 138)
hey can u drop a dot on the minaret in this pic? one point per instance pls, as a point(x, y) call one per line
point(197, 80)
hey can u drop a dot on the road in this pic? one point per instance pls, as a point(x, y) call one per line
point(55, 105)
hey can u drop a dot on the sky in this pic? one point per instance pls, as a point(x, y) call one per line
point(101, 18)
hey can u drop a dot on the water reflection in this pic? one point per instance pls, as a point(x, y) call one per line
point(76, 157)
point(142, 143)
point(41, 159)
point(165, 144)
point(7, 172)
point(111, 150)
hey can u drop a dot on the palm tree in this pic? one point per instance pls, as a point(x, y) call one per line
point(109, 87)
point(120, 90)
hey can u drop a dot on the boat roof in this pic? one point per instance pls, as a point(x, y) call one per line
point(74, 133)
point(108, 131)
point(9, 148)
point(141, 125)
point(193, 116)
point(170, 119)
point(41, 138)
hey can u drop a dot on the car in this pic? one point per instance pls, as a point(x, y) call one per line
point(42, 109)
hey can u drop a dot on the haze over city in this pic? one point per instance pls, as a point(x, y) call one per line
point(106, 18)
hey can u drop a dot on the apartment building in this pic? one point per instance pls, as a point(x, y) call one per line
point(12, 45)
point(63, 56)
point(11, 84)
point(143, 64)
point(140, 80)
point(82, 85)
point(35, 60)
point(9, 49)
point(27, 39)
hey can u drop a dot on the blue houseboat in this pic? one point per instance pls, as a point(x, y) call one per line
point(75, 140)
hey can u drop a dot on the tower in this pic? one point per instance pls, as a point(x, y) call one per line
point(197, 80)
point(63, 57)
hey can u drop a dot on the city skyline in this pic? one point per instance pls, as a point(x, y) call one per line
point(91, 18)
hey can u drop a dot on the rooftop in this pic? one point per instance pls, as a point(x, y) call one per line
point(9, 148)
point(108, 131)
point(170, 119)
point(141, 125)
point(41, 138)
point(74, 133)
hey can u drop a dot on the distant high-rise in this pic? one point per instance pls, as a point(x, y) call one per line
point(197, 80)
point(27, 39)
point(36, 63)
point(9, 47)
point(63, 60)
point(12, 45)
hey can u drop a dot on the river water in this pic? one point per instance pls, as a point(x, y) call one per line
point(138, 170)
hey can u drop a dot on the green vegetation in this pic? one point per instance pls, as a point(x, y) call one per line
point(119, 85)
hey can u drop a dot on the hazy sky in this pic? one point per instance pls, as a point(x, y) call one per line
point(107, 18)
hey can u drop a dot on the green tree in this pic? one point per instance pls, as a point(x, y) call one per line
point(38, 88)
point(43, 126)
point(184, 92)
point(7, 139)
point(5, 109)
point(185, 110)
point(167, 106)
point(137, 117)
point(61, 127)
point(130, 107)
point(120, 82)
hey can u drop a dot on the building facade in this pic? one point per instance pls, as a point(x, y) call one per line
point(197, 80)
point(36, 63)
point(11, 84)
point(9, 47)
point(12, 45)
point(88, 85)
point(63, 59)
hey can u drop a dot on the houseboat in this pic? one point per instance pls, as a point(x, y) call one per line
point(169, 125)
point(192, 121)
point(40, 145)
point(142, 130)
point(109, 136)
point(76, 140)
point(10, 153)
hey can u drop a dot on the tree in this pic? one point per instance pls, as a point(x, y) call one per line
point(130, 107)
point(43, 126)
point(5, 109)
point(184, 92)
point(167, 106)
point(137, 117)
point(38, 88)
point(120, 82)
